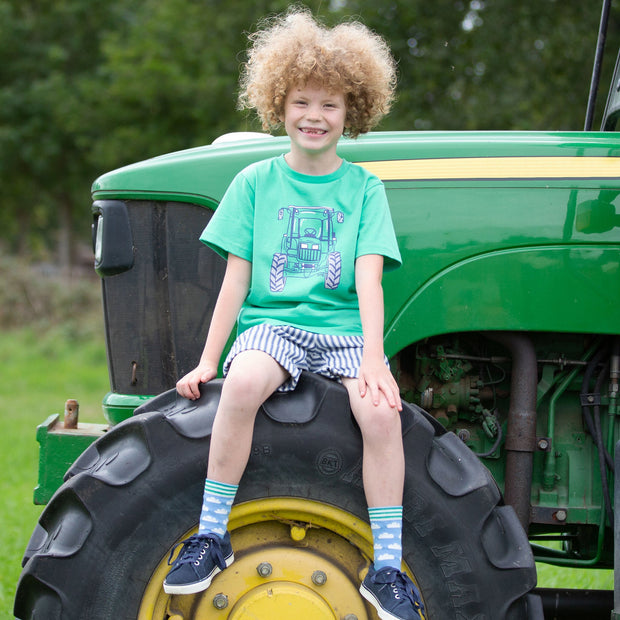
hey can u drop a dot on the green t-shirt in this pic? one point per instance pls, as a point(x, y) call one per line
point(302, 234)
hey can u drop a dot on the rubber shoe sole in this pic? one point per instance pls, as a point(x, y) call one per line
point(370, 597)
point(383, 614)
point(197, 586)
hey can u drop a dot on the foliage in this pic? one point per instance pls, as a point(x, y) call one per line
point(492, 64)
point(86, 87)
point(42, 296)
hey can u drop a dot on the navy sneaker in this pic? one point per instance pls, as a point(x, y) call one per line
point(201, 558)
point(392, 594)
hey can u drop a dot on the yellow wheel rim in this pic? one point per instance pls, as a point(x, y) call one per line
point(294, 559)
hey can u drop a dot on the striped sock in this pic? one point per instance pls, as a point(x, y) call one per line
point(387, 524)
point(216, 504)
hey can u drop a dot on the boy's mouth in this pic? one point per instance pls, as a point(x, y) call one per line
point(314, 131)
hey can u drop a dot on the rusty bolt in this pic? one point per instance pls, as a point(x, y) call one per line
point(220, 601)
point(72, 412)
point(264, 569)
point(319, 578)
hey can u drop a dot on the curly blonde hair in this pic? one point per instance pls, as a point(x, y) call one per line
point(294, 49)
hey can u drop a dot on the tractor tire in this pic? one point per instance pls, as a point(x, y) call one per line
point(334, 269)
point(277, 279)
point(101, 546)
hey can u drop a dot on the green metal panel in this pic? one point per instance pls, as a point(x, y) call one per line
point(58, 449)
point(555, 288)
point(498, 230)
point(201, 175)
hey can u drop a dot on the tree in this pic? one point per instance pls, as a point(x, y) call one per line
point(492, 64)
point(169, 79)
point(86, 87)
point(45, 49)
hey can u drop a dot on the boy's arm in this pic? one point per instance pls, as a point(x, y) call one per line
point(232, 294)
point(375, 377)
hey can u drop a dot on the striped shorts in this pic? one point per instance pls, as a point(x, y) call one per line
point(296, 350)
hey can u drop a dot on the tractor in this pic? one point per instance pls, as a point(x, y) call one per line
point(308, 247)
point(502, 328)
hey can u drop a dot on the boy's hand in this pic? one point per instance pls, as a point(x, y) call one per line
point(375, 379)
point(188, 386)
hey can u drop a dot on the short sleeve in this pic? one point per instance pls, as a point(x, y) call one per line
point(376, 232)
point(231, 228)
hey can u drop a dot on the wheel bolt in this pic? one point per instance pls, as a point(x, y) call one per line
point(350, 617)
point(220, 601)
point(264, 569)
point(319, 578)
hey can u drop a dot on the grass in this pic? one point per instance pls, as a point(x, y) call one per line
point(53, 359)
point(39, 372)
point(51, 348)
point(578, 578)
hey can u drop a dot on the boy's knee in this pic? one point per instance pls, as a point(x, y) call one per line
point(242, 387)
point(252, 378)
point(379, 419)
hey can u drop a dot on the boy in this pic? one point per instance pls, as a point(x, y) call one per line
point(320, 83)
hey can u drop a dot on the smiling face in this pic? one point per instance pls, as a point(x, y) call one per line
point(314, 120)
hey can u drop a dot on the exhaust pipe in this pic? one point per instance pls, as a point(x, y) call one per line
point(521, 429)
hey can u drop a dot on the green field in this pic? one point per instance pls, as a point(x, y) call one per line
point(41, 368)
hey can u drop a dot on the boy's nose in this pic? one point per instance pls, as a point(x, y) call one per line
point(313, 112)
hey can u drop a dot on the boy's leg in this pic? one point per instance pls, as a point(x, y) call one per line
point(383, 461)
point(383, 473)
point(391, 591)
point(253, 376)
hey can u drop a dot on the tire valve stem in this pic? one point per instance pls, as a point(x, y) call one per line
point(297, 532)
point(220, 601)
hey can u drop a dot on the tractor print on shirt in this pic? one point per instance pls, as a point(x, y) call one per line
point(308, 247)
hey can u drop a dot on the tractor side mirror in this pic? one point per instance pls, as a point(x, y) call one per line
point(112, 239)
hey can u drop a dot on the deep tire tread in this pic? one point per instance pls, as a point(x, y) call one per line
point(129, 497)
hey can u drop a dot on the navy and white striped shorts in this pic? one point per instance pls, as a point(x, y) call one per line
point(296, 350)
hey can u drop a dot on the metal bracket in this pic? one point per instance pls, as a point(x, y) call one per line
point(589, 400)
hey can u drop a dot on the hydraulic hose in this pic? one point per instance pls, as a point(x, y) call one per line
point(593, 423)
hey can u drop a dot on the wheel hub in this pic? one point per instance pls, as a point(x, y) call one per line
point(284, 568)
point(267, 601)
